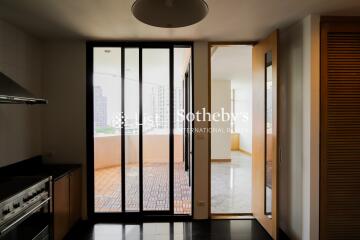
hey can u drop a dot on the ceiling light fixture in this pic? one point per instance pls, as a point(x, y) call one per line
point(170, 13)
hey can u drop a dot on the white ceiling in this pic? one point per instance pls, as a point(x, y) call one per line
point(112, 19)
point(232, 63)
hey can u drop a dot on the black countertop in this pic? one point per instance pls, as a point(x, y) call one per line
point(55, 170)
point(36, 167)
point(10, 186)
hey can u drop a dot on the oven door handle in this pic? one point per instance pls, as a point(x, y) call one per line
point(24, 216)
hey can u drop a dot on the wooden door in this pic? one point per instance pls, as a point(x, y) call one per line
point(340, 129)
point(75, 197)
point(61, 207)
point(265, 157)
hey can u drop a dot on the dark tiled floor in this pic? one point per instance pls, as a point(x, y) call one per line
point(198, 230)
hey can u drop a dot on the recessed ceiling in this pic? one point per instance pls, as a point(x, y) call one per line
point(228, 20)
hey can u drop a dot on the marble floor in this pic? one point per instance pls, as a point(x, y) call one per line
point(231, 185)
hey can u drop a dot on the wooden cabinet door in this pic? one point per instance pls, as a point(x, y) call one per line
point(265, 160)
point(340, 128)
point(61, 207)
point(75, 196)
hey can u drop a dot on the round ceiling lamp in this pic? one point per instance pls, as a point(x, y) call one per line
point(170, 13)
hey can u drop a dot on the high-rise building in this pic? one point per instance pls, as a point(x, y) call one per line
point(100, 108)
point(178, 106)
point(161, 106)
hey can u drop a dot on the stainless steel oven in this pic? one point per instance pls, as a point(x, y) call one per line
point(26, 214)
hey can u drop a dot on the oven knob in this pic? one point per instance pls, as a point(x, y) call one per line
point(6, 211)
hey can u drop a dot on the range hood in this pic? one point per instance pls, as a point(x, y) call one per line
point(13, 93)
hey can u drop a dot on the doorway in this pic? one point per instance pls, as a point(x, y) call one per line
point(244, 159)
point(140, 152)
point(231, 139)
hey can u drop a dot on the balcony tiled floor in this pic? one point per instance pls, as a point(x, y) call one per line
point(156, 187)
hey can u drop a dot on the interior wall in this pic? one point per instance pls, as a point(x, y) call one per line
point(297, 60)
point(243, 109)
point(20, 125)
point(64, 118)
point(202, 143)
point(291, 139)
point(221, 130)
point(311, 121)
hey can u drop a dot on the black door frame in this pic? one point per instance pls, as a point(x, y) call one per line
point(141, 215)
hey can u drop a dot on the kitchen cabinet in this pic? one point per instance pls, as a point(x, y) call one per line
point(67, 202)
point(61, 207)
point(75, 197)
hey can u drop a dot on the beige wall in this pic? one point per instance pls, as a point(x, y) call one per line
point(299, 78)
point(64, 86)
point(221, 136)
point(64, 119)
point(244, 105)
point(202, 140)
point(311, 126)
point(20, 125)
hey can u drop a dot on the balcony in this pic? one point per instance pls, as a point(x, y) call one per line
point(107, 155)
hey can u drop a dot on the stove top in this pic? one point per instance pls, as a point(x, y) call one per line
point(10, 186)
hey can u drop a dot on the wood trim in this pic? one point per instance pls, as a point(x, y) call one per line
point(235, 141)
point(225, 160)
point(209, 134)
point(339, 19)
point(323, 125)
point(245, 152)
point(231, 216)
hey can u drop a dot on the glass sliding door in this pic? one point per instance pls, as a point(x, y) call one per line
point(107, 99)
point(140, 152)
point(131, 113)
point(182, 130)
point(156, 129)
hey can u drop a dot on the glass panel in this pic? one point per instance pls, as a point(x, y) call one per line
point(156, 129)
point(182, 188)
point(131, 129)
point(269, 136)
point(107, 125)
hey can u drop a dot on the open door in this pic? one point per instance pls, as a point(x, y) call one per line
point(265, 151)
